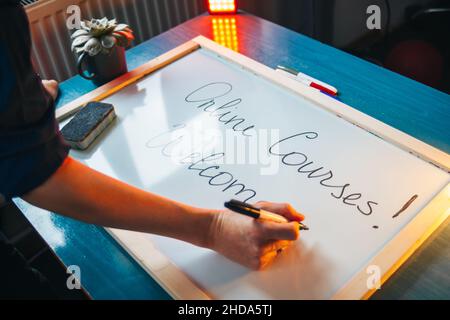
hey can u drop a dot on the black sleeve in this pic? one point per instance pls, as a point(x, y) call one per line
point(31, 146)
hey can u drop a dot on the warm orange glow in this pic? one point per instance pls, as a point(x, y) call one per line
point(222, 6)
point(225, 32)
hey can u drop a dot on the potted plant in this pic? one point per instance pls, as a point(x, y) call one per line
point(100, 44)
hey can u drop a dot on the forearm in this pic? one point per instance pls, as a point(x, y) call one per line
point(79, 192)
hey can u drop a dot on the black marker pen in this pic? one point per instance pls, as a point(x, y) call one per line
point(251, 211)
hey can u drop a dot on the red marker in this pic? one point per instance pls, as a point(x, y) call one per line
point(310, 81)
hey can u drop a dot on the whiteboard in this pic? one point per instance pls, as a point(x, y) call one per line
point(168, 140)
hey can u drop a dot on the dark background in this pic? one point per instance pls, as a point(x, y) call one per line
point(414, 39)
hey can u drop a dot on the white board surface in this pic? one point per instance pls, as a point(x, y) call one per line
point(343, 237)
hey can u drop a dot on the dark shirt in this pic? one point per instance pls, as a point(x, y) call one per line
point(31, 146)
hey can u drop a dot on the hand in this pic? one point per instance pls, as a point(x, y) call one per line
point(253, 243)
point(52, 87)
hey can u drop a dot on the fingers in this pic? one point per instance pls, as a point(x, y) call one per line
point(51, 86)
point(268, 253)
point(276, 246)
point(284, 209)
point(266, 260)
point(50, 83)
point(280, 231)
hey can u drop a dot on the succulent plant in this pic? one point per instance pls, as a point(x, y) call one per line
point(100, 36)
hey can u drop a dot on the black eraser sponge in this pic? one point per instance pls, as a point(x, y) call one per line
point(87, 124)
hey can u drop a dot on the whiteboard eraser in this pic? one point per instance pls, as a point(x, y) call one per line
point(88, 124)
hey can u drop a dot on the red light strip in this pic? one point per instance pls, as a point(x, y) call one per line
point(222, 6)
point(225, 32)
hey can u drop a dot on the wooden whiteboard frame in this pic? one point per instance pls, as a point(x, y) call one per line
point(388, 259)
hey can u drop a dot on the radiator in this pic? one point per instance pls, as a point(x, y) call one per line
point(51, 52)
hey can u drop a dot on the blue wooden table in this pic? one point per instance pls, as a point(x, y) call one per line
point(108, 272)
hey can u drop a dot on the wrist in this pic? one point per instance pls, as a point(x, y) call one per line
point(204, 226)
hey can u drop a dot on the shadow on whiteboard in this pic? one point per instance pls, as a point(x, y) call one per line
point(297, 273)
